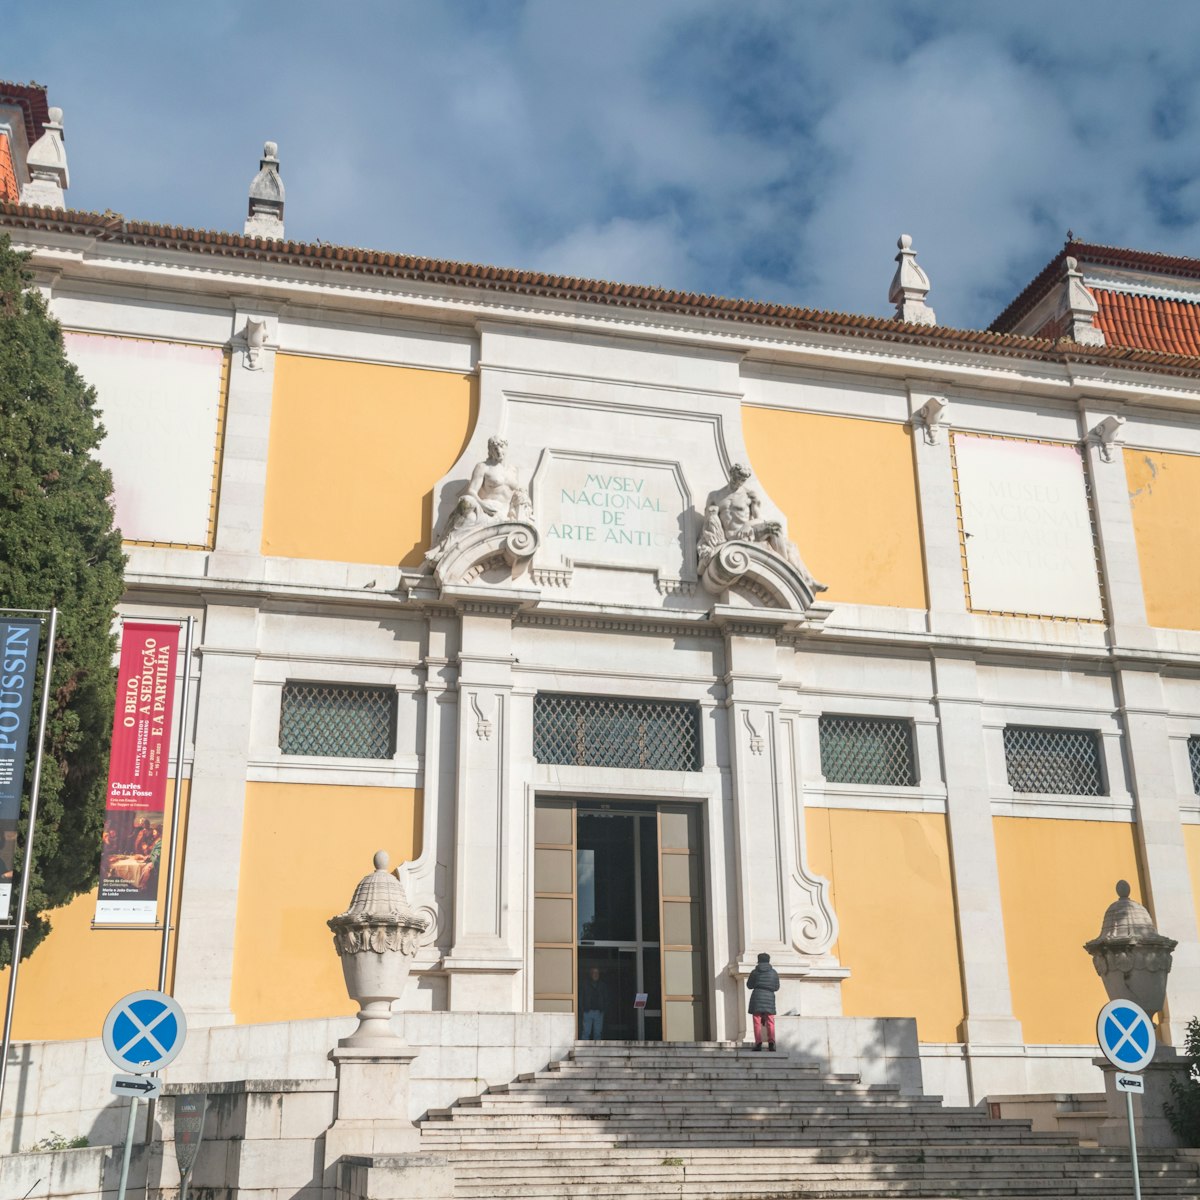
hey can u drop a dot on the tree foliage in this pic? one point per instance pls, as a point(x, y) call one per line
point(1183, 1110)
point(58, 548)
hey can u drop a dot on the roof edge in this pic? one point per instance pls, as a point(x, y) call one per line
point(110, 226)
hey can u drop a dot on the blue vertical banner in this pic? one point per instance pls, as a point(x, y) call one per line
point(18, 666)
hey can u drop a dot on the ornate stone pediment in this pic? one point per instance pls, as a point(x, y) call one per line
point(506, 546)
point(760, 575)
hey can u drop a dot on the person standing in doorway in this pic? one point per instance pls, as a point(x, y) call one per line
point(593, 1000)
point(763, 984)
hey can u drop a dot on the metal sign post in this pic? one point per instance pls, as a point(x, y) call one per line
point(143, 1032)
point(1126, 1038)
point(27, 866)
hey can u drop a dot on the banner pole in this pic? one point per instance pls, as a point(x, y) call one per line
point(27, 867)
point(180, 740)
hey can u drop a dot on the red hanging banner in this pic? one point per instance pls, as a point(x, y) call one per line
point(137, 775)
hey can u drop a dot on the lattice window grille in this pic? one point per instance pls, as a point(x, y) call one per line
point(1060, 762)
point(598, 731)
point(1194, 758)
point(338, 720)
point(870, 750)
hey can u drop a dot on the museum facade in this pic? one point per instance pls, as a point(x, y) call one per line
point(650, 631)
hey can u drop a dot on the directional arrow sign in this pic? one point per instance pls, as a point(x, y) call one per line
point(143, 1086)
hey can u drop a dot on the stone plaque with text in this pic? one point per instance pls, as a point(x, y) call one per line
point(605, 511)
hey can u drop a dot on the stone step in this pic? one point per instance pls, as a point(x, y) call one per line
point(611, 1119)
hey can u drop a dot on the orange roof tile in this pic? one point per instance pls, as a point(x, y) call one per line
point(30, 98)
point(8, 175)
point(1148, 322)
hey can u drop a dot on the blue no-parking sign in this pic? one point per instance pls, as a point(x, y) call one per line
point(1125, 1034)
point(144, 1032)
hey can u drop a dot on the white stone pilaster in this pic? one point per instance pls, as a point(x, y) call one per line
point(782, 909)
point(217, 799)
point(947, 597)
point(1119, 564)
point(1168, 881)
point(987, 995)
point(487, 956)
point(247, 437)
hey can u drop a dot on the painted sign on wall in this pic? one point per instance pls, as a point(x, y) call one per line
point(18, 666)
point(1027, 527)
point(137, 775)
point(161, 406)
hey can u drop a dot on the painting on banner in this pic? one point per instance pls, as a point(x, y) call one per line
point(18, 666)
point(132, 848)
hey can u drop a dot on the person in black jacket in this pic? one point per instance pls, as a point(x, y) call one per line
point(763, 984)
point(593, 1000)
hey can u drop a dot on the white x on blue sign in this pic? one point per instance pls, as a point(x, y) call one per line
point(1125, 1034)
point(144, 1032)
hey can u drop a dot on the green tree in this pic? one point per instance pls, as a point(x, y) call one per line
point(57, 547)
point(1183, 1110)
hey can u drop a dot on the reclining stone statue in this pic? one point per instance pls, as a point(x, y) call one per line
point(492, 494)
point(734, 515)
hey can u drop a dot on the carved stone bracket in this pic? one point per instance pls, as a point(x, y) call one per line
point(510, 544)
point(814, 923)
point(760, 574)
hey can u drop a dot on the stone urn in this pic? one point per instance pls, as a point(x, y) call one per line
point(376, 939)
point(1130, 955)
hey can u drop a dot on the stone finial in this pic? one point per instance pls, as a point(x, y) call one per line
point(265, 217)
point(1131, 957)
point(1081, 308)
point(376, 938)
point(910, 286)
point(47, 163)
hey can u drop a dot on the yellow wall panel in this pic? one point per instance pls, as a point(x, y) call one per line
point(1191, 842)
point(354, 453)
point(1164, 493)
point(304, 848)
point(78, 973)
point(848, 490)
point(892, 889)
point(1056, 880)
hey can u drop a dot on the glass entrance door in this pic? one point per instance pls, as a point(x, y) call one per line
point(617, 924)
point(618, 910)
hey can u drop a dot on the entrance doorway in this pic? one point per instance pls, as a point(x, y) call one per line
point(618, 929)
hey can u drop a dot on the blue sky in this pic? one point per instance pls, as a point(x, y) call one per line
point(771, 150)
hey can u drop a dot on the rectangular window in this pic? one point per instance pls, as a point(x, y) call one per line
point(1194, 759)
point(871, 750)
point(596, 731)
point(338, 720)
point(1059, 762)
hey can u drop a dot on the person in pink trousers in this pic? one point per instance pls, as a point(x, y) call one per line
point(763, 984)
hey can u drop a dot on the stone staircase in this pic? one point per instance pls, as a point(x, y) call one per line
point(719, 1121)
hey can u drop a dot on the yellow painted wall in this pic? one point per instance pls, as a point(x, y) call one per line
point(304, 847)
point(894, 900)
point(1191, 842)
point(68, 984)
point(1056, 879)
point(354, 453)
point(1164, 493)
point(849, 492)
